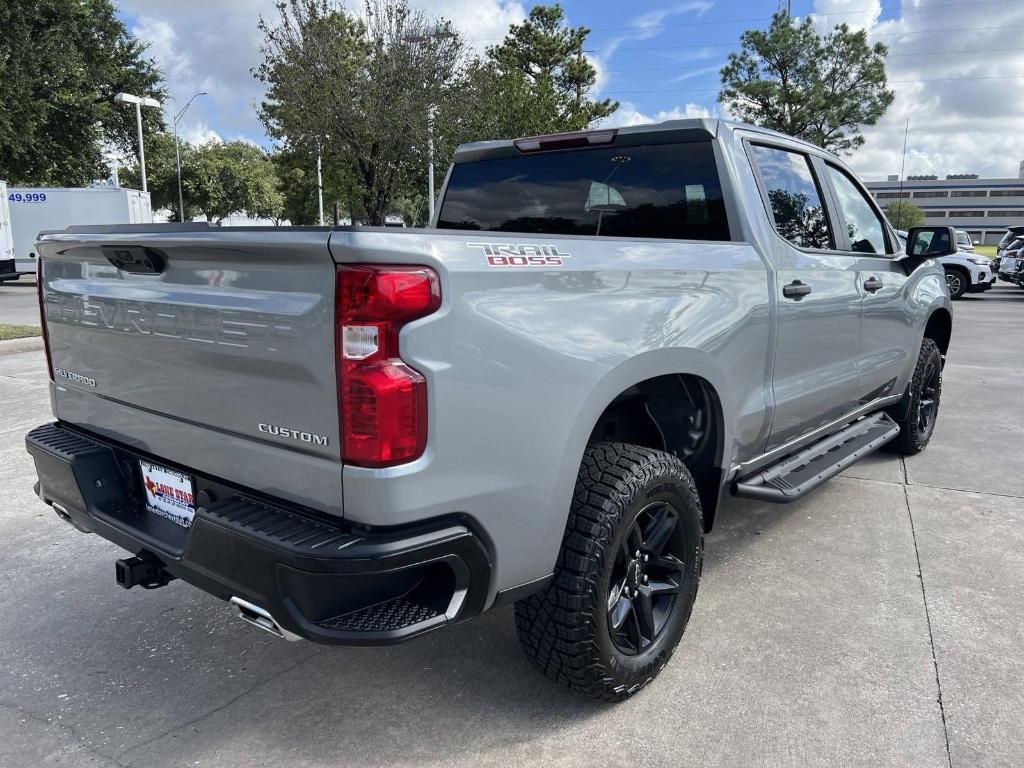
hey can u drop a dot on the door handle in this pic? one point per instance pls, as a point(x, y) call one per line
point(872, 284)
point(796, 290)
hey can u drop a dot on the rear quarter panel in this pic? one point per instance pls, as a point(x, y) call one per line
point(521, 361)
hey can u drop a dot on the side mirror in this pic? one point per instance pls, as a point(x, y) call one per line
point(976, 242)
point(931, 242)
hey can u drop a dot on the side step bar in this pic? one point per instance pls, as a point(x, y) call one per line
point(799, 474)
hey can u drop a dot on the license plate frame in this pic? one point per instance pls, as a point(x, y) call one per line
point(168, 493)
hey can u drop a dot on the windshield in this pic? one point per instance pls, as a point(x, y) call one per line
point(962, 238)
point(660, 191)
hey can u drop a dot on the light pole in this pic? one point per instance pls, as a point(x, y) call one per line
point(139, 102)
point(319, 185)
point(430, 162)
point(177, 152)
point(438, 35)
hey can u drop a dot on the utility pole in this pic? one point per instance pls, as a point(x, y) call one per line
point(903, 165)
point(177, 152)
point(418, 39)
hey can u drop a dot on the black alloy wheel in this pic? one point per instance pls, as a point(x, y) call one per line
point(645, 578)
point(928, 402)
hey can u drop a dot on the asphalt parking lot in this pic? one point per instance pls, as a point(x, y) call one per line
point(877, 622)
point(18, 302)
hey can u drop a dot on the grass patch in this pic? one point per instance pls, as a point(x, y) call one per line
point(986, 250)
point(18, 331)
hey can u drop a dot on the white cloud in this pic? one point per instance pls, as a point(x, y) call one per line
point(483, 22)
point(648, 25)
point(628, 114)
point(206, 46)
point(956, 71)
point(856, 14)
point(200, 133)
point(212, 45)
point(693, 73)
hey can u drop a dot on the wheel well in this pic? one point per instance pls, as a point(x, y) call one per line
point(679, 414)
point(940, 328)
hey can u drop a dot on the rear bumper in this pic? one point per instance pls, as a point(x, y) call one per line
point(318, 578)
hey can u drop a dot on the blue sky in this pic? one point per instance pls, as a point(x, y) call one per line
point(952, 64)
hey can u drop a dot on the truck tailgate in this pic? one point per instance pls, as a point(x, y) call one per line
point(222, 361)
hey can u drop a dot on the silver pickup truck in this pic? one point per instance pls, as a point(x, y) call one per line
point(358, 435)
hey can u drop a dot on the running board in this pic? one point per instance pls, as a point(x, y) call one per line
point(799, 474)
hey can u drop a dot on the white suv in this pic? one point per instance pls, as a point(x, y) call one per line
point(966, 272)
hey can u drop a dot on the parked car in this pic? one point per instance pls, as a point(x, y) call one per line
point(1012, 262)
point(964, 242)
point(368, 434)
point(1012, 233)
point(965, 271)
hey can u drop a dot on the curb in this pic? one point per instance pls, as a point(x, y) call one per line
point(12, 346)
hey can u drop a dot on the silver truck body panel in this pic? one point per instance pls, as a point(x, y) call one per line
point(186, 365)
point(520, 361)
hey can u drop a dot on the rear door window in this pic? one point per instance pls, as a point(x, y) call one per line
point(658, 191)
point(793, 196)
point(864, 226)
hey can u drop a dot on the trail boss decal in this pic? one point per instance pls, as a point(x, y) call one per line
point(526, 255)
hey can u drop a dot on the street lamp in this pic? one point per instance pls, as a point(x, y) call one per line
point(439, 35)
point(139, 102)
point(177, 152)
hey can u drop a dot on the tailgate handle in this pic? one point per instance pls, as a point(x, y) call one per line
point(135, 259)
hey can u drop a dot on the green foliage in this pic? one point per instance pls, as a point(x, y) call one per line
point(296, 174)
point(162, 174)
point(541, 65)
point(8, 332)
point(218, 179)
point(61, 63)
point(821, 89)
point(233, 177)
point(904, 215)
point(362, 92)
point(296, 181)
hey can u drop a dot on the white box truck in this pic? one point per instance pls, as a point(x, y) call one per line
point(34, 209)
point(6, 238)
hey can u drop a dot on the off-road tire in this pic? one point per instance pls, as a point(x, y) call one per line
point(912, 439)
point(565, 629)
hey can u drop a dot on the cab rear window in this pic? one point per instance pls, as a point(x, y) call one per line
point(658, 191)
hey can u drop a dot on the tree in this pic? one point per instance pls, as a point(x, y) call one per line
point(296, 181)
point(821, 89)
point(904, 215)
point(295, 167)
point(361, 90)
point(536, 81)
point(60, 65)
point(542, 60)
point(233, 177)
point(162, 174)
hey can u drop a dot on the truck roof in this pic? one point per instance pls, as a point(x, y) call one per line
point(687, 129)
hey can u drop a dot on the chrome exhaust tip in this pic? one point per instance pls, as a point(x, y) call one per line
point(258, 617)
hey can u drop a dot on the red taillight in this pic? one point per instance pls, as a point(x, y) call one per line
point(42, 315)
point(383, 402)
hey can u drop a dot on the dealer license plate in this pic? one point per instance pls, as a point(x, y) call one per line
point(169, 493)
